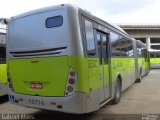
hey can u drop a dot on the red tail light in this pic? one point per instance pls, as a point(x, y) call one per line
point(71, 81)
point(72, 73)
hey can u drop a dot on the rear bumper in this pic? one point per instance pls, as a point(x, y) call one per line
point(75, 103)
point(3, 89)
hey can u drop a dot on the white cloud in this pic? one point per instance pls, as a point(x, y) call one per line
point(116, 11)
point(149, 14)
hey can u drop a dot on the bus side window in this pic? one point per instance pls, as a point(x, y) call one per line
point(124, 47)
point(91, 49)
point(157, 55)
point(151, 55)
point(139, 51)
point(98, 41)
point(130, 49)
point(115, 44)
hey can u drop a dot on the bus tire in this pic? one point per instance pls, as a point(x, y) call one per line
point(139, 78)
point(117, 93)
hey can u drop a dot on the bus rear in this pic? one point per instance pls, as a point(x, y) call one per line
point(42, 64)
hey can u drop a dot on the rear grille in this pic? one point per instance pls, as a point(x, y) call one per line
point(52, 51)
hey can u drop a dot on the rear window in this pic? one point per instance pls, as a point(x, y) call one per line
point(54, 21)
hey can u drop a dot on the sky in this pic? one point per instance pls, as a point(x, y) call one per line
point(114, 11)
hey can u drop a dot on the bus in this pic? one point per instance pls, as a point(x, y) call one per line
point(154, 58)
point(63, 58)
point(3, 68)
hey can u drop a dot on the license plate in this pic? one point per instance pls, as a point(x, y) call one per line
point(36, 102)
point(36, 85)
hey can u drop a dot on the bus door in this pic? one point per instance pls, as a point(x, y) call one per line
point(103, 55)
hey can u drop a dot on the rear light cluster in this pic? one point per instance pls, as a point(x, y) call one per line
point(71, 82)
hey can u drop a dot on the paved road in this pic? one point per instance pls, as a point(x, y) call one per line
point(140, 98)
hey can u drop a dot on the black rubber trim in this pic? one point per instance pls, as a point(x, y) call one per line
point(37, 51)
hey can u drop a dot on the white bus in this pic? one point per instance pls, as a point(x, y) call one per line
point(63, 58)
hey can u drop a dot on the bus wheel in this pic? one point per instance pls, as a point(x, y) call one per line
point(117, 93)
point(139, 78)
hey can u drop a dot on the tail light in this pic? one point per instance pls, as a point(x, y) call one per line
point(71, 82)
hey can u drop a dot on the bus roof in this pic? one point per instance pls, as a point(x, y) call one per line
point(63, 6)
point(44, 9)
